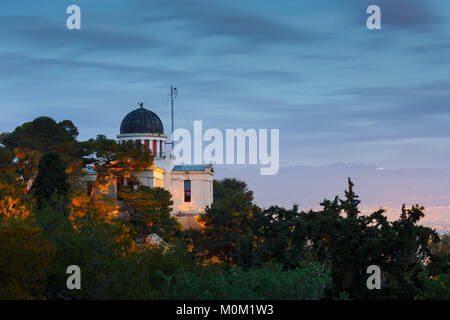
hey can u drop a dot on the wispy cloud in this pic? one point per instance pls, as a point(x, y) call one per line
point(211, 20)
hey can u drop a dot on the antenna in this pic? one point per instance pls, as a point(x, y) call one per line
point(173, 95)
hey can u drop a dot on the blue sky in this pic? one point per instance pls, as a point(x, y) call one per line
point(336, 90)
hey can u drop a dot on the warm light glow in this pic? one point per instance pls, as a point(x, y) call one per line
point(201, 223)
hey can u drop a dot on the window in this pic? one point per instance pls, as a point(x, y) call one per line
point(187, 190)
point(154, 147)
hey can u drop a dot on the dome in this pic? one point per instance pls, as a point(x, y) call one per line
point(141, 121)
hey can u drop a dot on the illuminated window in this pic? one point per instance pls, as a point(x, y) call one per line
point(187, 190)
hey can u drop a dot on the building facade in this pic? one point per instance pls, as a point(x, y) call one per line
point(191, 186)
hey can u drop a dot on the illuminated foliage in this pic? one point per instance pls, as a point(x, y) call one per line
point(274, 248)
point(12, 199)
point(112, 159)
point(103, 205)
point(150, 210)
point(101, 247)
point(25, 257)
point(33, 139)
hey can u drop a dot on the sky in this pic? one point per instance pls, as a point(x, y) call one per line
point(337, 91)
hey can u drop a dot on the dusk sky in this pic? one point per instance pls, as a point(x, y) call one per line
point(336, 90)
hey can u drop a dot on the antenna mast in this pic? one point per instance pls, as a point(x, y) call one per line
point(173, 95)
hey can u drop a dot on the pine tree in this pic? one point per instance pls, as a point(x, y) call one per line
point(50, 188)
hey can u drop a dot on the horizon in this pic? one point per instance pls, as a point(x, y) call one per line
point(337, 91)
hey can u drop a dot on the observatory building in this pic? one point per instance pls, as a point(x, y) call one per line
point(191, 186)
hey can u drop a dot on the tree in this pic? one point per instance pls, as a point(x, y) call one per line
point(228, 224)
point(351, 243)
point(309, 283)
point(25, 257)
point(232, 193)
point(42, 134)
point(283, 237)
point(338, 235)
point(440, 255)
point(13, 203)
point(51, 181)
point(150, 210)
point(112, 159)
point(31, 140)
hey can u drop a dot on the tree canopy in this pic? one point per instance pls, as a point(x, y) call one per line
point(48, 221)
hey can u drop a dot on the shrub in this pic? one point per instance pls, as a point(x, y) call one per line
point(435, 288)
point(264, 283)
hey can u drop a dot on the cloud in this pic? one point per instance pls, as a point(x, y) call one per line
point(411, 15)
point(210, 20)
point(387, 112)
point(32, 68)
point(47, 35)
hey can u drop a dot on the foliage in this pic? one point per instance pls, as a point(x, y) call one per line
point(227, 233)
point(112, 265)
point(150, 210)
point(42, 134)
point(338, 235)
point(349, 242)
point(440, 255)
point(31, 140)
point(101, 248)
point(272, 253)
point(232, 192)
point(435, 287)
point(25, 257)
point(13, 202)
point(51, 181)
point(308, 283)
point(102, 204)
point(120, 160)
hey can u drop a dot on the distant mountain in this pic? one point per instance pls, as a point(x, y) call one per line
point(377, 187)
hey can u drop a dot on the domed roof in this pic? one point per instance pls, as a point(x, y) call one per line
point(141, 121)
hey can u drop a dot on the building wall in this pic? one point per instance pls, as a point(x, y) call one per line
point(201, 192)
point(152, 178)
point(158, 148)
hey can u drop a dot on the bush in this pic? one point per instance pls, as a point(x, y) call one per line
point(435, 288)
point(265, 283)
point(25, 255)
